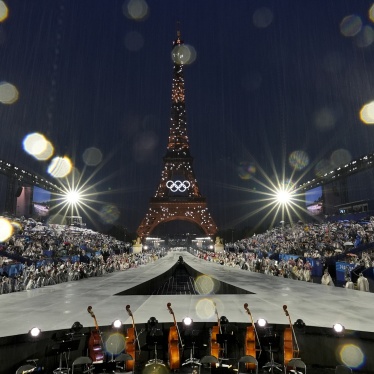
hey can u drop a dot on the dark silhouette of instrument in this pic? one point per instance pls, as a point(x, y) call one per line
point(173, 343)
point(214, 345)
point(131, 341)
point(290, 345)
point(95, 342)
point(251, 339)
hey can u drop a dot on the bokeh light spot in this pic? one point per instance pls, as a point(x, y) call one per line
point(134, 41)
point(60, 167)
point(365, 37)
point(352, 355)
point(205, 308)
point(204, 285)
point(109, 213)
point(325, 119)
point(6, 229)
point(8, 93)
point(3, 11)
point(371, 13)
point(115, 343)
point(340, 157)
point(47, 153)
point(262, 17)
point(135, 9)
point(183, 54)
point(322, 168)
point(92, 156)
point(298, 160)
point(246, 170)
point(350, 25)
point(37, 145)
point(367, 113)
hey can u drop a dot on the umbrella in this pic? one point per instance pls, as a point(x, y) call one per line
point(338, 250)
point(351, 254)
point(348, 243)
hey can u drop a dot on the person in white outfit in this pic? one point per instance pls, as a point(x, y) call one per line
point(326, 279)
point(350, 285)
point(362, 283)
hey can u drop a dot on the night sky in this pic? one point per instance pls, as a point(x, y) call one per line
point(270, 78)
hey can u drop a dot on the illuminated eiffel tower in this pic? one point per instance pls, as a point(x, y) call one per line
point(178, 196)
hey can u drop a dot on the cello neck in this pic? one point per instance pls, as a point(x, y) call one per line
point(90, 311)
point(175, 323)
point(254, 327)
point(296, 348)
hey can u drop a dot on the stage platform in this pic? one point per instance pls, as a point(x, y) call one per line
point(56, 308)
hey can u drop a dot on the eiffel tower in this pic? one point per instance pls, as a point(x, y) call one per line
point(178, 196)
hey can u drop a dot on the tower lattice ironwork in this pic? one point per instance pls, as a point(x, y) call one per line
point(178, 196)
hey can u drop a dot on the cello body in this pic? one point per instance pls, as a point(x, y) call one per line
point(173, 350)
point(94, 347)
point(130, 348)
point(214, 346)
point(290, 345)
point(173, 343)
point(287, 346)
point(131, 340)
point(251, 338)
point(95, 344)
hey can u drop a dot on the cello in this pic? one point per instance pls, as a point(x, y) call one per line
point(95, 342)
point(290, 345)
point(173, 343)
point(214, 345)
point(251, 338)
point(131, 340)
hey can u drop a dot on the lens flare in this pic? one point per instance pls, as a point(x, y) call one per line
point(298, 160)
point(8, 93)
point(246, 170)
point(351, 25)
point(60, 167)
point(34, 144)
point(351, 355)
point(3, 11)
point(6, 229)
point(115, 344)
point(109, 213)
point(205, 308)
point(183, 54)
point(367, 113)
point(204, 285)
point(135, 9)
point(92, 156)
point(262, 17)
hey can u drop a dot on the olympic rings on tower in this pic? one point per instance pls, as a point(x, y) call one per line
point(178, 186)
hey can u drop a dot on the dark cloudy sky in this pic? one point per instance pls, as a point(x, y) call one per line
point(270, 78)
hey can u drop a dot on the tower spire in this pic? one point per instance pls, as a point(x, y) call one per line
point(178, 196)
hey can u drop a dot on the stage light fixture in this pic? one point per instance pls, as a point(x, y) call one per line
point(117, 324)
point(338, 328)
point(261, 322)
point(35, 332)
point(187, 321)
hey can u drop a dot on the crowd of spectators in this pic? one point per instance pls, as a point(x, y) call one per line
point(45, 255)
point(346, 241)
point(51, 254)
